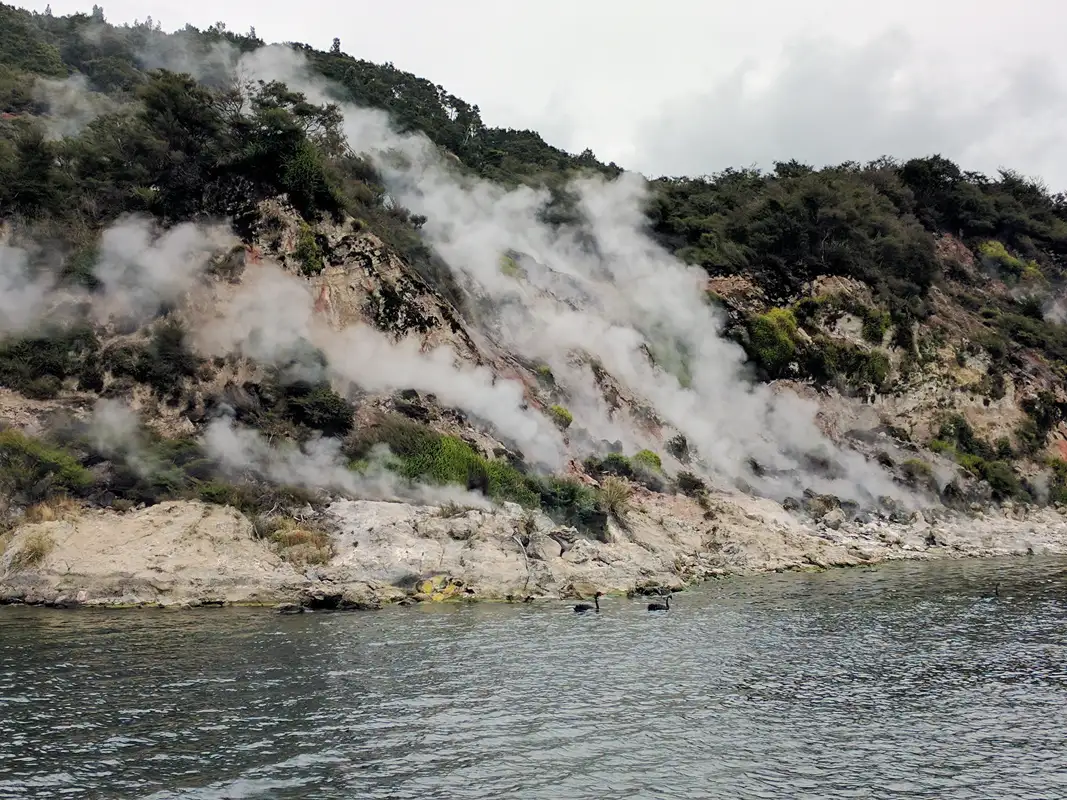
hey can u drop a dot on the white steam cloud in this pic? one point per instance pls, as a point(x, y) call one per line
point(319, 464)
point(272, 318)
point(140, 267)
point(24, 296)
point(621, 293)
point(116, 431)
point(71, 104)
point(603, 288)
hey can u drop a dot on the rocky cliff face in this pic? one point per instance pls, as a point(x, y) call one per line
point(371, 552)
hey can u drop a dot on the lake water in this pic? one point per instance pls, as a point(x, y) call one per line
point(906, 680)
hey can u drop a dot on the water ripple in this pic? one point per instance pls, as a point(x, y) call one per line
point(905, 681)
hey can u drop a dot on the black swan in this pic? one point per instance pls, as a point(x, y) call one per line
point(583, 607)
point(664, 606)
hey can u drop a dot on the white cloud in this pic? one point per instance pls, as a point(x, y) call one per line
point(636, 83)
point(824, 102)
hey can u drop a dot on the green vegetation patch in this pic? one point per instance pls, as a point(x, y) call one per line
point(37, 366)
point(561, 416)
point(424, 455)
point(772, 338)
point(32, 470)
point(307, 252)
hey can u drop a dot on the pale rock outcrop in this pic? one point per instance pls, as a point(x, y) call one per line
point(189, 553)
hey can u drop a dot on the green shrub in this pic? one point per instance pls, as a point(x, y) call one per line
point(561, 416)
point(166, 360)
point(827, 360)
point(510, 267)
point(425, 455)
point(79, 269)
point(870, 368)
point(304, 177)
point(1030, 437)
point(36, 366)
point(307, 251)
point(648, 460)
point(875, 324)
point(253, 498)
point(1003, 480)
point(918, 473)
point(691, 485)
point(1044, 413)
point(611, 464)
point(1057, 485)
point(772, 339)
point(544, 374)
point(615, 498)
point(32, 471)
point(956, 430)
point(678, 446)
point(973, 464)
point(995, 254)
point(1032, 274)
point(993, 343)
point(43, 388)
point(569, 502)
point(319, 407)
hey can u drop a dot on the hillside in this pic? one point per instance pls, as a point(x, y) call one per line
point(290, 282)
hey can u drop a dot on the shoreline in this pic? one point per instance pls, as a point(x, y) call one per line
point(186, 555)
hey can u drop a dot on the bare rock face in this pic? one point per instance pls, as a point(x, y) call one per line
point(192, 554)
point(834, 518)
point(171, 553)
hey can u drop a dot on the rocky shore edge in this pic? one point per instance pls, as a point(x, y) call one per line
point(192, 555)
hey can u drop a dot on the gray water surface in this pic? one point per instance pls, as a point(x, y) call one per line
point(901, 681)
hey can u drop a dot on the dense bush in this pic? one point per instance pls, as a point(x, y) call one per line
point(166, 360)
point(561, 416)
point(772, 340)
point(429, 456)
point(1044, 413)
point(827, 360)
point(648, 460)
point(957, 440)
point(318, 407)
point(875, 324)
point(32, 471)
point(37, 366)
point(307, 251)
point(1057, 485)
point(918, 473)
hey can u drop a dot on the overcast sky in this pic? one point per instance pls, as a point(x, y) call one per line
point(692, 86)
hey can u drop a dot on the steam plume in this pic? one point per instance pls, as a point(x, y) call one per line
point(632, 292)
point(271, 319)
point(318, 464)
point(23, 295)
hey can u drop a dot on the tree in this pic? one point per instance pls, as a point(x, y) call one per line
point(335, 48)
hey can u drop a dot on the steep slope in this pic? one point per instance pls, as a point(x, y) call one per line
point(266, 297)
